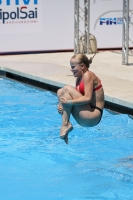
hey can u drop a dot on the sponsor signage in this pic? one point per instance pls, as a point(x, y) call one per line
point(106, 20)
point(16, 2)
point(43, 25)
point(20, 16)
point(111, 21)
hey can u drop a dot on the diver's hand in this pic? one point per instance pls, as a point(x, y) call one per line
point(65, 101)
point(60, 109)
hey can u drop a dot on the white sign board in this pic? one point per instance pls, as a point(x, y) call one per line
point(36, 25)
point(106, 19)
point(20, 17)
point(48, 25)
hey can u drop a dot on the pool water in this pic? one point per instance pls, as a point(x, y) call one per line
point(35, 164)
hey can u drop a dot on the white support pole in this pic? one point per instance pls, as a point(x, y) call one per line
point(123, 34)
point(125, 31)
point(81, 33)
point(76, 26)
point(87, 23)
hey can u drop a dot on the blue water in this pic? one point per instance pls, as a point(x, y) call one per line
point(35, 164)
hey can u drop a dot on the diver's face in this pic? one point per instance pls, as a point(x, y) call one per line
point(76, 68)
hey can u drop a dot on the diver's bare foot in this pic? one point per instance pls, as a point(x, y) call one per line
point(64, 132)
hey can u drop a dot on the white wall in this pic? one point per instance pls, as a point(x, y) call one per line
point(53, 28)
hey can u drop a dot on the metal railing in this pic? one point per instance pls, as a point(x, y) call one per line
point(82, 28)
point(126, 38)
point(81, 25)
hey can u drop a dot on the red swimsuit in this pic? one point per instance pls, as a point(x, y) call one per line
point(80, 87)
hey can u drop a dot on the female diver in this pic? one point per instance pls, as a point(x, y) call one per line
point(85, 102)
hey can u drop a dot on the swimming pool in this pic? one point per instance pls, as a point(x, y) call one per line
point(36, 164)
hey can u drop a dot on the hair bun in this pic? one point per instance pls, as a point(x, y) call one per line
point(90, 60)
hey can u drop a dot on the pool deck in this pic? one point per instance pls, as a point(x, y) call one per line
point(54, 69)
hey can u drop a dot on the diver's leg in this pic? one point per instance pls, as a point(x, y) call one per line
point(68, 92)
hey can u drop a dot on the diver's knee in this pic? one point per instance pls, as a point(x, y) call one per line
point(66, 88)
point(59, 92)
point(63, 90)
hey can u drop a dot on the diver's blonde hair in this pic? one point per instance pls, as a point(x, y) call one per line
point(82, 58)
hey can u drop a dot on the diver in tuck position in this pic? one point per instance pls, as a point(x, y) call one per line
point(85, 102)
